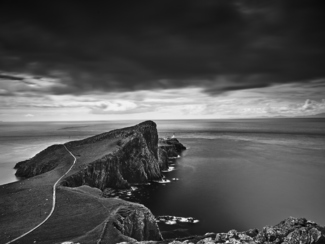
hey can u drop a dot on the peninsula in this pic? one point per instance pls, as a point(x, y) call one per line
point(61, 199)
point(63, 185)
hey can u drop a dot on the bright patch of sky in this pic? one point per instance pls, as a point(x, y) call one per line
point(284, 100)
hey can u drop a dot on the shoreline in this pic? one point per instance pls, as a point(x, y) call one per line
point(8, 174)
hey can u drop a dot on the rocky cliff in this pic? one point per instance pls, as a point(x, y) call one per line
point(171, 146)
point(135, 158)
point(136, 223)
point(133, 162)
point(163, 159)
point(167, 150)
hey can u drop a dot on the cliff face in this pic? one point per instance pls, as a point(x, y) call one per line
point(137, 223)
point(162, 159)
point(168, 148)
point(149, 131)
point(171, 146)
point(134, 159)
point(134, 162)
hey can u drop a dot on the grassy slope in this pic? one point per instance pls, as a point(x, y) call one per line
point(88, 153)
point(23, 204)
point(79, 215)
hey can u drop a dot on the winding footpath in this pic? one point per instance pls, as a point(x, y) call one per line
point(53, 203)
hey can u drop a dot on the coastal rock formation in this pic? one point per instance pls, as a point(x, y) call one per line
point(133, 162)
point(136, 158)
point(137, 223)
point(171, 146)
point(168, 148)
point(289, 231)
point(126, 222)
point(162, 159)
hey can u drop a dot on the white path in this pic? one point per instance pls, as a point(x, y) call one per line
point(54, 200)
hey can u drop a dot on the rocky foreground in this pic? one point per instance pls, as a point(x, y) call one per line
point(86, 211)
point(289, 231)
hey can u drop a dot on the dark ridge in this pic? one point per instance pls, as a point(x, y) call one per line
point(42, 162)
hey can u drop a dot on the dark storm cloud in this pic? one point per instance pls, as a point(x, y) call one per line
point(10, 77)
point(132, 45)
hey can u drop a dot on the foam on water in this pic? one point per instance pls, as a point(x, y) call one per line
point(162, 181)
point(172, 220)
point(170, 168)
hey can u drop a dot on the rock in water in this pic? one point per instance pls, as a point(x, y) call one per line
point(292, 230)
point(172, 146)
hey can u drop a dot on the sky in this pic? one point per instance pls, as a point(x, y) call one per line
point(161, 59)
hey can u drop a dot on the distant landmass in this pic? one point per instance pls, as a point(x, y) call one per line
point(65, 195)
point(321, 115)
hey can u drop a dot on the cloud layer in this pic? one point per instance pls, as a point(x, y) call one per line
point(285, 100)
point(161, 59)
point(143, 45)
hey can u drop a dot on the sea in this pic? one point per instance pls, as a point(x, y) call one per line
point(235, 174)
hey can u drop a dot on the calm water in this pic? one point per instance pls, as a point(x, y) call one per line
point(236, 174)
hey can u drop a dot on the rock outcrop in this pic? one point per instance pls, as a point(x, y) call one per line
point(134, 162)
point(171, 146)
point(168, 149)
point(163, 159)
point(289, 231)
point(136, 223)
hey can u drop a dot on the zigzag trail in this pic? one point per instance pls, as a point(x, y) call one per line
point(53, 202)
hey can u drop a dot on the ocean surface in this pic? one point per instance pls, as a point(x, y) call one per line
point(236, 174)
